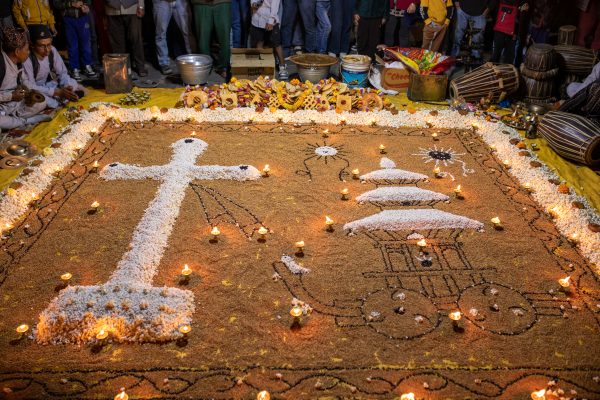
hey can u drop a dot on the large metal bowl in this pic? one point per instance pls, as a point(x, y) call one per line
point(194, 68)
point(313, 67)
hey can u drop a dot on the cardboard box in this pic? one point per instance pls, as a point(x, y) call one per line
point(395, 79)
point(252, 63)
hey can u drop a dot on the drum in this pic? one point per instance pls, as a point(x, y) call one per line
point(540, 57)
point(540, 75)
point(572, 136)
point(493, 80)
point(538, 90)
point(566, 34)
point(576, 60)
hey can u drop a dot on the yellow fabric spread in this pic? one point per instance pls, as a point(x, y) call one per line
point(584, 180)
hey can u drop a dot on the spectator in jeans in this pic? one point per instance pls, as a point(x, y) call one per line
point(46, 70)
point(308, 14)
point(125, 28)
point(265, 25)
point(402, 17)
point(472, 12)
point(6, 17)
point(341, 23)
point(163, 11)
point(209, 15)
point(13, 82)
point(77, 28)
point(370, 16)
point(437, 15)
point(240, 14)
point(323, 25)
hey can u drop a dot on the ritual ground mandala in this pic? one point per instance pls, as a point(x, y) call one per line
point(197, 273)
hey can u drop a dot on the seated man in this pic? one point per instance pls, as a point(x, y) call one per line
point(46, 70)
point(16, 107)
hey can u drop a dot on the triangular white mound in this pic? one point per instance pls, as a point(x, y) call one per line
point(420, 219)
point(293, 266)
point(400, 194)
point(386, 163)
point(399, 175)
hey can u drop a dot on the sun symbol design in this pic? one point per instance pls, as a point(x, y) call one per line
point(443, 156)
point(327, 153)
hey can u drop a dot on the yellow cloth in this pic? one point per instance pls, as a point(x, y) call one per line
point(583, 179)
point(33, 12)
point(437, 11)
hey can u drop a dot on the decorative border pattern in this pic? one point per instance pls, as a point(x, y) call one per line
point(570, 221)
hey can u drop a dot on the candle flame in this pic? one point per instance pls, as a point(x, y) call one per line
point(345, 191)
point(263, 395)
point(355, 171)
point(564, 282)
point(538, 395)
point(299, 244)
point(266, 168)
point(66, 276)
point(185, 329)
point(457, 190)
point(186, 270)
point(122, 395)
point(436, 170)
point(95, 204)
point(262, 230)
point(215, 231)
point(495, 220)
point(102, 334)
point(422, 243)
point(296, 312)
point(22, 328)
point(455, 315)
point(381, 147)
point(407, 396)
point(328, 220)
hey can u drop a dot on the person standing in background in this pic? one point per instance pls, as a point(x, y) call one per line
point(323, 25)
point(6, 16)
point(341, 23)
point(163, 11)
point(265, 26)
point(240, 13)
point(506, 30)
point(437, 15)
point(33, 12)
point(370, 16)
point(474, 13)
point(589, 25)
point(209, 15)
point(402, 17)
point(308, 12)
point(125, 28)
point(77, 28)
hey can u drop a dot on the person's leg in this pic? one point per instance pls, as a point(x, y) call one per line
point(374, 36)
point(117, 34)
point(587, 21)
point(479, 22)
point(510, 49)
point(236, 24)
point(245, 22)
point(72, 42)
point(181, 13)
point(362, 40)
point(323, 25)
point(404, 31)
point(439, 37)
point(203, 20)
point(335, 17)
point(222, 24)
point(347, 23)
point(134, 25)
point(462, 22)
point(288, 21)
point(308, 15)
point(428, 35)
point(390, 29)
point(85, 46)
point(162, 12)
point(93, 37)
point(596, 40)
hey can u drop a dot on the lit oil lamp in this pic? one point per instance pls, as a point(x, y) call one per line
point(422, 244)
point(22, 329)
point(565, 282)
point(266, 171)
point(185, 329)
point(574, 238)
point(215, 232)
point(122, 395)
point(455, 316)
point(435, 137)
point(263, 395)
point(554, 212)
point(344, 193)
point(407, 396)
point(95, 167)
point(94, 207)
point(538, 395)
point(299, 247)
point(102, 334)
point(437, 173)
point(329, 224)
point(186, 271)
point(458, 193)
point(262, 231)
point(325, 133)
point(343, 121)
point(527, 187)
point(497, 224)
point(66, 277)
point(355, 173)
point(382, 149)
point(506, 164)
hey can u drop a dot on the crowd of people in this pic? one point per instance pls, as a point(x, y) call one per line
point(31, 64)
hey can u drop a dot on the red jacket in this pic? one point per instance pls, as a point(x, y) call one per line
point(402, 4)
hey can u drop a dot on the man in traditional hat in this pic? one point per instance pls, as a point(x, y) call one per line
point(14, 112)
point(46, 70)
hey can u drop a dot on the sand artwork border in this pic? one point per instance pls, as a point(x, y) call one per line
point(573, 222)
